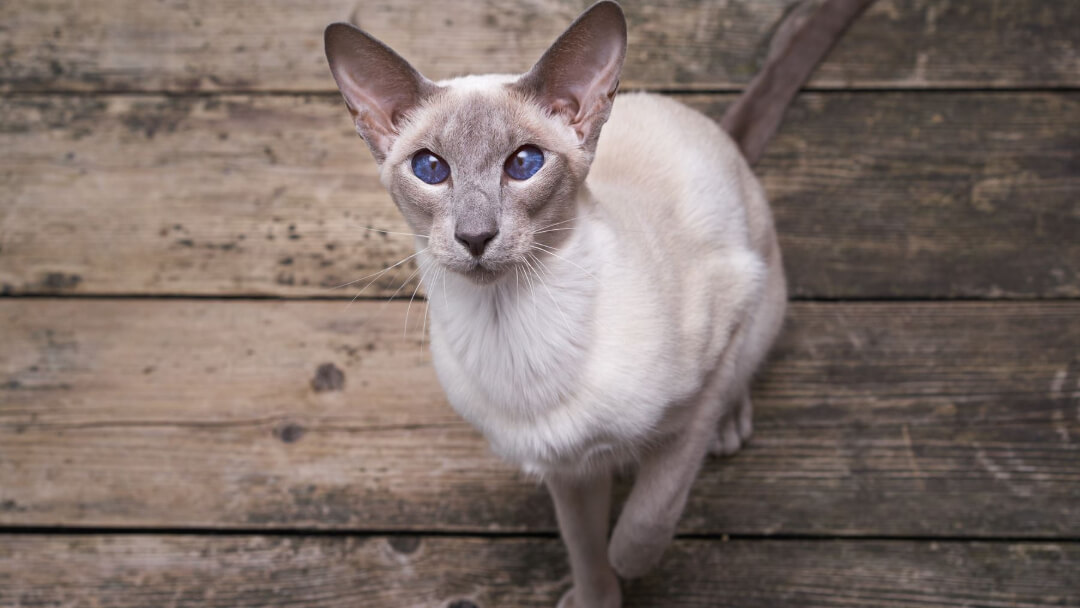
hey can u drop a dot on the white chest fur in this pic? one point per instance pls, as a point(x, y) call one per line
point(514, 357)
point(520, 342)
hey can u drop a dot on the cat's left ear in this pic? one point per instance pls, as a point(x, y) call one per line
point(577, 77)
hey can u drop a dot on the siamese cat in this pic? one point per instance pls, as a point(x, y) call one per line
point(603, 272)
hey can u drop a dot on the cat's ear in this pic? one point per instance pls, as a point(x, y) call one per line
point(577, 77)
point(379, 86)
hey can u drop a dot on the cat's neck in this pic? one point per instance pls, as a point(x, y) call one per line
point(524, 337)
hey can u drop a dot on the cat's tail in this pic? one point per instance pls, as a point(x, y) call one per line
point(803, 39)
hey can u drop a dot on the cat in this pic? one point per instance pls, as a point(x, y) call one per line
point(603, 272)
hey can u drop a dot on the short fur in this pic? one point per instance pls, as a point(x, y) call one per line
point(633, 286)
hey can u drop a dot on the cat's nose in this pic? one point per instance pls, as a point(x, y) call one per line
point(475, 242)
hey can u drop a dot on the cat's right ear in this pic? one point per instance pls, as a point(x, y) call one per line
point(379, 86)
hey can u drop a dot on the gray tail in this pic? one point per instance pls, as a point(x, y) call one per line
point(803, 39)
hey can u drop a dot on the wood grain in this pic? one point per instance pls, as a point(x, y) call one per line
point(209, 45)
point(198, 148)
point(930, 419)
point(229, 571)
point(876, 195)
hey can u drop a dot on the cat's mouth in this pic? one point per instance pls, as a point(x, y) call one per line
point(481, 274)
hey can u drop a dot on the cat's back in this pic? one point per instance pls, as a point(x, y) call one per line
point(652, 139)
point(668, 130)
point(668, 168)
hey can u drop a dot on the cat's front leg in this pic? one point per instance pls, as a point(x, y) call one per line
point(647, 523)
point(582, 506)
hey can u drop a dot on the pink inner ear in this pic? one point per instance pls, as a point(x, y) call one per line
point(378, 85)
point(577, 76)
point(365, 107)
point(567, 107)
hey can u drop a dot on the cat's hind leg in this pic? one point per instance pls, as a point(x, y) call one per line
point(736, 425)
point(649, 517)
point(734, 429)
point(666, 473)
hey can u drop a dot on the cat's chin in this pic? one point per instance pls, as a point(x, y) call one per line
point(482, 275)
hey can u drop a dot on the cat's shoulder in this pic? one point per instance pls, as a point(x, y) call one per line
point(661, 119)
point(659, 107)
point(647, 100)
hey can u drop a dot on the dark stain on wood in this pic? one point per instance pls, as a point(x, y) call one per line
point(328, 377)
point(290, 432)
point(17, 385)
point(58, 281)
point(405, 544)
point(331, 505)
point(150, 118)
point(10, 506)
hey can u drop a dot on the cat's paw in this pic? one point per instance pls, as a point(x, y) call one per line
point(636, 547)
point(734, 429)
point(609, 597)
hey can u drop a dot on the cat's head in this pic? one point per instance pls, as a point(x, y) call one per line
point(488, 166)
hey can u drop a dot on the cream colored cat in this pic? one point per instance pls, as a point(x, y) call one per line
point(598, 299)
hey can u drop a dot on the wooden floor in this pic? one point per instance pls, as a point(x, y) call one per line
point(191, 415)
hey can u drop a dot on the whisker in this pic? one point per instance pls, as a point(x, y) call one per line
point(545, 230)
point(427, 309)
point(446, 301)
point(408, 309)
point(551, 251)
point(403, 284)
point(557, 223)
point(354, 298)
point(381, 231)
point(554, 300)
point(597, 322)
point(532, 287)
point(376, 274)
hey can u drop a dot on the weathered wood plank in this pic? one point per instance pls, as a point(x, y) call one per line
point(228, 571)
point(207, 45)
point(876, 195)
point(898, 419)
point(928, 195)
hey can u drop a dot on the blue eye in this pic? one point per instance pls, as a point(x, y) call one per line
point(430, 168)
point(525, 162)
